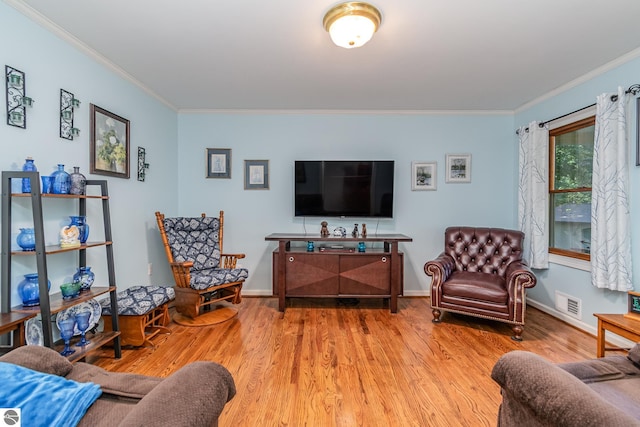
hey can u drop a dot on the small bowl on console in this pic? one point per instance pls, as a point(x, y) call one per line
point(70, 290)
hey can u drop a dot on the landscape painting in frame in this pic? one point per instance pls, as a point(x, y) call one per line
point(458, 168)
point(423, 176)
point(109, 145)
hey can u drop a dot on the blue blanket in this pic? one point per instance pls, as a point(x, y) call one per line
point(43, 399)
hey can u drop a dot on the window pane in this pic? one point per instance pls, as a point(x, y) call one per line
point(571, 221)
point(574, 159)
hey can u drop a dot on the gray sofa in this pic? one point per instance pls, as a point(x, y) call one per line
point(597, 392)
point(195, 395)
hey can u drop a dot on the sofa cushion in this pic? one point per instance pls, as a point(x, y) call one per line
point(42, 359)
point(594, 370)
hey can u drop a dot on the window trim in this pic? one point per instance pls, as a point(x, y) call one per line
point(579, 120)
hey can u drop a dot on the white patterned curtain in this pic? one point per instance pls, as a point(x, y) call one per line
point(610, 219)
point(533, 193)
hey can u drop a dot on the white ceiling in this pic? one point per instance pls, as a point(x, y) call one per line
point(275, 54)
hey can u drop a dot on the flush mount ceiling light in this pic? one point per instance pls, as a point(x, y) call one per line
point(352, 24)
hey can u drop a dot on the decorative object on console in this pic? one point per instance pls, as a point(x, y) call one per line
point(256, 174)
point(61, 181)
point(70, 290)
point(458, 168)
point(340, 232)
point(109, 145)
point(17, 100)
point(27, 239)
point(78, 182)
point(27, 167)
point(85, 277)
point(142, 164)
point(80, 221)
point(361, 247)
point(354, 233)
point(29, 290)
point(310, 246)
point(364, 230)
point(218, 162)
point(68, 104)
point(423, 176)
point(69, 237)
point(324, 230)
point(352, 24)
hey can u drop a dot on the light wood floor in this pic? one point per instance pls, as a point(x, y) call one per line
point(324, 364)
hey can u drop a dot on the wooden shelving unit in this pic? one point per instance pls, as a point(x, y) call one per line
point(52, 304)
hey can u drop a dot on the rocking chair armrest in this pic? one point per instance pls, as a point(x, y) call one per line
point(182, 273)
point(230, 260)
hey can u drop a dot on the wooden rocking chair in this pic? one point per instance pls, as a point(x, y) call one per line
point(203, 274)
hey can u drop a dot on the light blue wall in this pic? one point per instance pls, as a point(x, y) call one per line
point(250, 215)
point(568, 280)
point(51, 64)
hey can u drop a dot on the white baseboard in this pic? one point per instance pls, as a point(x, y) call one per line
point(592, 330)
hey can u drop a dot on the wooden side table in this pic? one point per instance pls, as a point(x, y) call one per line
point(15, 322)
point(619, 325)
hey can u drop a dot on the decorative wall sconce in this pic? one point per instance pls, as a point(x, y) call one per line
point(17, 100)
point(68, 103)
point(142, 164)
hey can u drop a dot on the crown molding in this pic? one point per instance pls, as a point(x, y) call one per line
point(49, 25)
point(352, 112)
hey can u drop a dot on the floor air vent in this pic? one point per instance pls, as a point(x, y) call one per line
point(569, 305)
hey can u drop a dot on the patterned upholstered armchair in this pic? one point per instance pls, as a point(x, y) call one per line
point(481, 273)
point(203, 274)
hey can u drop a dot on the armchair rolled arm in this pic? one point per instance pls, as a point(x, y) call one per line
point(182, 273)
point(230, 260)
point(518, 276)
point(195, 395)
point(440, 269)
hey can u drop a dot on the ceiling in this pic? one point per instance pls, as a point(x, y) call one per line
point(275, 54)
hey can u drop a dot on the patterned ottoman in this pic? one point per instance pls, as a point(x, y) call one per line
point(143, 312)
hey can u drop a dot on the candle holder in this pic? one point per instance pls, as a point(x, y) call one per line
point(16, 97)
point(67, 105)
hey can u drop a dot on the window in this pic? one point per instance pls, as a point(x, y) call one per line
point(570, 171)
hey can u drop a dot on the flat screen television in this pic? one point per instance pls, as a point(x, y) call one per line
point(344, 188)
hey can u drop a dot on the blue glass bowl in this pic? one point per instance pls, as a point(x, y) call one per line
point(70, 290)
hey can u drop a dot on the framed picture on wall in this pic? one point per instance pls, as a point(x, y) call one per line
point(109, 143)
point(458, 168)
point(218, 162)
point(423, 176)
point(256, 174)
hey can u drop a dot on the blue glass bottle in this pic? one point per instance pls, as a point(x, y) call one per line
point(310, 246)
point(61, 181)
point(27, 167)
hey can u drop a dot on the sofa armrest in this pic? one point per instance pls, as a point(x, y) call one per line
point(193, 396)
point(547, 395)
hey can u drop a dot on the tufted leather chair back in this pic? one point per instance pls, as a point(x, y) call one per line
point(484, 250)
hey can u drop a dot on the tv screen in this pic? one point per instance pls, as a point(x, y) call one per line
point(344, 188)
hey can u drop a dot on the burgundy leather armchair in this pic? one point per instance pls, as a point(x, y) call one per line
point(481, 273)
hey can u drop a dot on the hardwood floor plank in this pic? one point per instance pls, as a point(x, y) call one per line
point(322, 363)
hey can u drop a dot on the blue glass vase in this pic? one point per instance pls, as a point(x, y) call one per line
point(27, 167)
point(27, 239)
point(61, 181)
point(80, 222)
point(85, 277)
point(29, 290)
